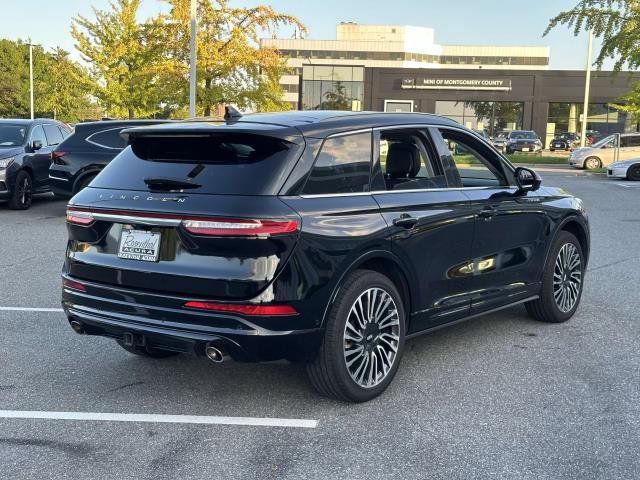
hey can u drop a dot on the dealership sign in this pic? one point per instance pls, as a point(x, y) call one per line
point(456, 84)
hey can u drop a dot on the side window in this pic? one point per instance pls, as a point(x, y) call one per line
point(108, 138)
point(630, 141)
point(38, 134)
point(342, 166)
point(54, 137)
point(64, 131)
point(477, 165)
point(408, 161)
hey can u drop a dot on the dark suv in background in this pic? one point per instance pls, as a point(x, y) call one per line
point(322, 237)
point(77, 160)
point(565, 141)
point(25, 155)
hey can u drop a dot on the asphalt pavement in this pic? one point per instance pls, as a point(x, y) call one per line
point(501, 396)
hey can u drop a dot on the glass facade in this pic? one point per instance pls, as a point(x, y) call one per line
point(331, 87)
point(490, 117)
point(602, 119)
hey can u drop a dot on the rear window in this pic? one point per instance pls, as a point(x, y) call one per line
point(229, 163)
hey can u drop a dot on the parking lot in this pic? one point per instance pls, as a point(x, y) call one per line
point(497, 397)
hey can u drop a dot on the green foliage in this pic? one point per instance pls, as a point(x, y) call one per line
point(630, 103)
point(61, 86)
point(336, 99)
point(616, 22)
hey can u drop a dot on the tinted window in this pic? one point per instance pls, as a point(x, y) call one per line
point(478, 166)
point(408, 161)
point(12, 135)
point(108, 138)
point(52, 132)
point(38, 134)
point(342, 166)
point(64, 131)
point(630, 141)
point(232, 164)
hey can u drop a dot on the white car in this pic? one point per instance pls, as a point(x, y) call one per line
point(629, 169)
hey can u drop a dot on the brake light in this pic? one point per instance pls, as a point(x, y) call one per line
point(56, 156)
point(244, 309)
point(219, 227)
point(73, 285)
point(79, 217)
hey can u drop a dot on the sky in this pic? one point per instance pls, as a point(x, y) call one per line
point(457, 22)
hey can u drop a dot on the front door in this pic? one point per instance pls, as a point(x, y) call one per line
point(510, 227)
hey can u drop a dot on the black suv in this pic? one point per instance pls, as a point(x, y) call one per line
point(565, 141)
point(25, 155)
point(77, 160)
point(322, 237)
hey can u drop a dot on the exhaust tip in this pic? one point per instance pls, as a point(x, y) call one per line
point(214, 354)
point(76, 326)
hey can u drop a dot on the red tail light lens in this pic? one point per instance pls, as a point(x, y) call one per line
point(79, 217)
point(73, 285)
point(56, 157)
point(244, 309)
point(223, 227)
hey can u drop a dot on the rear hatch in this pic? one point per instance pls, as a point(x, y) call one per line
point(190, 210)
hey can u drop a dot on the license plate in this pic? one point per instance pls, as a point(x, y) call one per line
point(139, 245)
point(525, 149)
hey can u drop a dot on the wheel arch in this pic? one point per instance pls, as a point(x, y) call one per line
point(385, 263)
point(578, 228)
point(88, 172)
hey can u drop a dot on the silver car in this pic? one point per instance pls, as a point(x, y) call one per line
point(629, 169)
point(603, 153)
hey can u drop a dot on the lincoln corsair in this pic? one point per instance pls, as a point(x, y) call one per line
point(327, 238)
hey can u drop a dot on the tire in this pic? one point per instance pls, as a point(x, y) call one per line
point(549, 307)
point(84, 182)
point(358, 346)
point(592, 163)
point(146, 351)
point(634, 173)
point(22, 194)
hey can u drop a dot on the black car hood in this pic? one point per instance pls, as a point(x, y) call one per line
point(10, 151)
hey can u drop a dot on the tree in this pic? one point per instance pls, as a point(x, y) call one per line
point(616, 22)
point(125, 57)
point(336, 99)
point(630, 103)
point(14, 80)
point(232, 66)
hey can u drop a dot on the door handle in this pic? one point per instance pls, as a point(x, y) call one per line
point(487, 212)
point(405, 221)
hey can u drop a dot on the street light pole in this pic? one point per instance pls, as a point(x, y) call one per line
point(31, 76)
point(192, 69)
point(587, 85)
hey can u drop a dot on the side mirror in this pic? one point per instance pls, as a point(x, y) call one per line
point(36, 145)
point(528, 180)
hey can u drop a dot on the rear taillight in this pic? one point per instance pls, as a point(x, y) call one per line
point(66, 283)
point(245, 309)
point(222, 227)
point(79, 217)
point(56, 157)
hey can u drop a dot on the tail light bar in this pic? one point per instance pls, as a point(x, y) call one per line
point(245, 309)
point(203, 226)
point(66, 283)
point(56, 156)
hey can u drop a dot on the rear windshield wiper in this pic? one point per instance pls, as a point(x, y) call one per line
point(169, 184)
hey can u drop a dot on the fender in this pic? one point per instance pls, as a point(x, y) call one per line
point(386, 254)
point(585, 229)
point(91, 170)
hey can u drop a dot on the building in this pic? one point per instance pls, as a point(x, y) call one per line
point(401, 68)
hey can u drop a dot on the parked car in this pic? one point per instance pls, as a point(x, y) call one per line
point(603, 153)
point(81, 156)
point(287, 235)
point(523, 141)
point(25, 147)
point(567, 141)
point(500, 141)
point(629, 169)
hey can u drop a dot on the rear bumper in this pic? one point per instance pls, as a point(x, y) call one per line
point(61, 183)
point(181, 330)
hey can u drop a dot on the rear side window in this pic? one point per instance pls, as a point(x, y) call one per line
point(630, 141)
point(342, 166)
point(54, 137)
point(108, 139)
point(225, 163)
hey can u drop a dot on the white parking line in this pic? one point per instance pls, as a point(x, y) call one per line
point(29, 309)
point(153, 418)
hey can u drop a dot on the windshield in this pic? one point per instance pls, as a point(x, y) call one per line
point(604, 141)
point(12, 135)
point(525, 135)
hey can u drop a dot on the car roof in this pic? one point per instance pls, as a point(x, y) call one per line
point(316, 123)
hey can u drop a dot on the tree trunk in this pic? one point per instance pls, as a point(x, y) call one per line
point(130, 113)
point(207, 107)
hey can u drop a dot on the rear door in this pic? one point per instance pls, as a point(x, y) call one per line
point(510, 227)
point(429, 224)
point(193, 212)
point(629, 147)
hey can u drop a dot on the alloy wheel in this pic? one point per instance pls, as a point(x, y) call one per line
point(567, 277)
point(371, 337)
point(592, 163)
point(24, 191)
